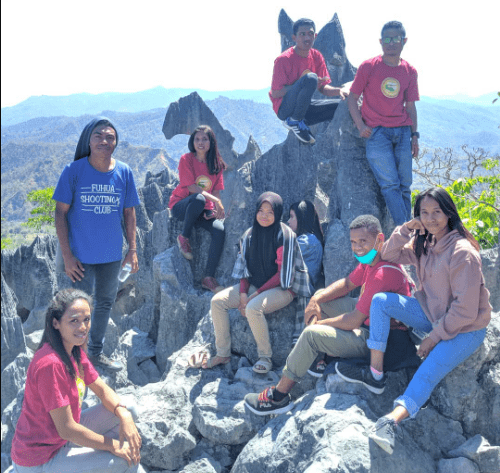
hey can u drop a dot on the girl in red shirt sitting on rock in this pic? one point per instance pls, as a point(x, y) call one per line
point(52, 427)
point(196, 199)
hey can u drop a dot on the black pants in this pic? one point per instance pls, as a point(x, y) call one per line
point(297, 102)
point(192, 210)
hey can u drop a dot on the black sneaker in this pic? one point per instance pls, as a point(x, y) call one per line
point(104, 362)
point(262, 404)
point(300, 130)
point(384, 433)
point(360, 374)
point(318, 368)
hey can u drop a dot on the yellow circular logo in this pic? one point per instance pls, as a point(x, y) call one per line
point(390, 87)
point(204, 182)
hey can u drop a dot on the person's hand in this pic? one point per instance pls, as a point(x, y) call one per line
point(414, 146)
point(344, 93)
point(312, 313)
point(365, 131)
point(129, 435)
point(125, 451)
point(219, 210)
point(73, 268)
point(426, 347)
point(132, 259)
point(417, 225)
point(243, 303)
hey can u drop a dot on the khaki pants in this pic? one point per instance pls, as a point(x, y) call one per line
point(265, 303)
point(317, 339)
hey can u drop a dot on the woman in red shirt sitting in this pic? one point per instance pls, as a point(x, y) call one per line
point(196, 200)
point(52, 427)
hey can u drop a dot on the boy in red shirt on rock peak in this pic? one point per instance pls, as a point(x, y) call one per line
point(388, 119)
point(298, 73)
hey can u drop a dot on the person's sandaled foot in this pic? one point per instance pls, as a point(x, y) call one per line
point(196, 359)
point(263, 365)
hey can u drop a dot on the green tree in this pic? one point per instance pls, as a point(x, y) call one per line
point(477, 195)
point(44, 212)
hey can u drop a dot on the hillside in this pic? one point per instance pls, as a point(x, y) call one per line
point(92, 104)
point(442, 123)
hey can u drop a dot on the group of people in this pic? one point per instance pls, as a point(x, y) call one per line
point(365, 336)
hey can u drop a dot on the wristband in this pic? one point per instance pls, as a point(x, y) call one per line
point(117, 406)
point(133, 249)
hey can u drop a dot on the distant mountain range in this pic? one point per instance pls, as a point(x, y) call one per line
point(43, 131)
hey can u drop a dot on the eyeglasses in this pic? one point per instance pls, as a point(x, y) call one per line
point(393, 39)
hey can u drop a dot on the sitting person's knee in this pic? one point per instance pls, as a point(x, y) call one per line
point(311, 78)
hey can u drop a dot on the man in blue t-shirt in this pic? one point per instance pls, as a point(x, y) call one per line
point(92, 195)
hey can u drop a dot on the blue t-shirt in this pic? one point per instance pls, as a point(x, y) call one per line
point(97, 200)
point(312, 253)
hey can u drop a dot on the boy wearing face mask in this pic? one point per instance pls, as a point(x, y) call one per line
point(338, 325)
point(388, 119)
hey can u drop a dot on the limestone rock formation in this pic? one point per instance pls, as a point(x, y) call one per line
point(195, 420)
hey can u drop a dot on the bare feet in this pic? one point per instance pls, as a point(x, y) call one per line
point(214, 361)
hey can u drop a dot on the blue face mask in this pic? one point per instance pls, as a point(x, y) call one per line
point(369, 257)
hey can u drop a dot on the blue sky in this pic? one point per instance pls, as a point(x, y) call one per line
point(62, 47)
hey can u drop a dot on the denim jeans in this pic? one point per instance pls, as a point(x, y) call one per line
point(191, 211)
point(442, 359)
point(298, 104)
point(75, 459)
point(388, 151)
point(104, 278)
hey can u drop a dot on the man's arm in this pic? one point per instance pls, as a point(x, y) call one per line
point(130, 227)
point(276, 94)
point(335, 290)
point(412, 112)
point(348, 321)
point(330, 91)
point(72, 267)
point(352, 103)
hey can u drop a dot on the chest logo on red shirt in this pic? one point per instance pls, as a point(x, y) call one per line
point(390, 87)
point(204, 182)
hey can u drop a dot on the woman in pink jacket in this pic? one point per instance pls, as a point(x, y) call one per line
point(451, 307)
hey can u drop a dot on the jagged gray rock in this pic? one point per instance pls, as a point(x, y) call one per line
point(14, 377)
point(30, 273)
point(479, 450)
point(454, 465)
point(12, 335)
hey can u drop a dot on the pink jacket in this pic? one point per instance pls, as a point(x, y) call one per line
point(451, 284)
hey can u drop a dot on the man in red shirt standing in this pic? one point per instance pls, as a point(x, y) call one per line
point(298, 73)
point(388, 119)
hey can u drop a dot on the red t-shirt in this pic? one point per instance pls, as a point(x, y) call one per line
point(385, 91)
point(289, 67)
point(191, 171)
point(48, 387)
point(375, 279)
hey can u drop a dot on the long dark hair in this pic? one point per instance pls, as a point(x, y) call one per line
point(448, 207)
point(58, 306)
point(83, 146)
point(215, 162)
point(307, 220)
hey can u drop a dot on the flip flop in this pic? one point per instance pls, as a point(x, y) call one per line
point(196, 359)
point(265, 363)
point(209, 361)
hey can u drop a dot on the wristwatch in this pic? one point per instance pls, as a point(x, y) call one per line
point(415, 133)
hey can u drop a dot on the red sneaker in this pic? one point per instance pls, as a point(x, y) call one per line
point(184, 247)
point(211, 284)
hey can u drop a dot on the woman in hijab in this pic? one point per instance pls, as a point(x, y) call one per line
point(271, 273)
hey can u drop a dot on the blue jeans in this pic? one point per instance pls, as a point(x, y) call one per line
point(104, 278)
point(298, 104)
point(442, 359)
point(388, 150)
point(192, 210)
